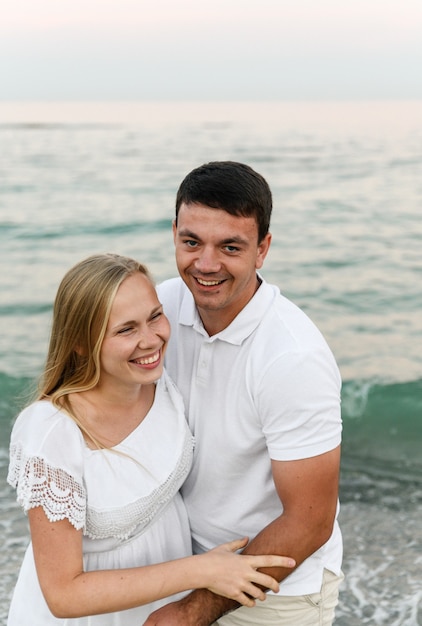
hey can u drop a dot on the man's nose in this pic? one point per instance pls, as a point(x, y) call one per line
point(207, 261)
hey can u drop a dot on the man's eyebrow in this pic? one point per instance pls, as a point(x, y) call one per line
point(184, 232)
point(235, 239)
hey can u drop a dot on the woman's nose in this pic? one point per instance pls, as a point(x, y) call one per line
point(147, 338)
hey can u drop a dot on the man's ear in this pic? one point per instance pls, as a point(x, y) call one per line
point(174, 226)
point(262, 251)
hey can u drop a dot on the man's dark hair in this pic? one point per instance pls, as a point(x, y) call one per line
point(233, 187)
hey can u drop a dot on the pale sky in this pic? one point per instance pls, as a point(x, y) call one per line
point(219, 50)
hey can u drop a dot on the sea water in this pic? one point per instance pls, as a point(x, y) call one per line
point(347, 247)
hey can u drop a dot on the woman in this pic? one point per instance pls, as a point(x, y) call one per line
point(98, 460)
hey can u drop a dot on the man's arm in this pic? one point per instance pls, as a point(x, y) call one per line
point(308, 489)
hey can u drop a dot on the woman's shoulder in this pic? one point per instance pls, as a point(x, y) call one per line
point(47, 463)
point(43, 429)
point(45, 415)
point(39, 410)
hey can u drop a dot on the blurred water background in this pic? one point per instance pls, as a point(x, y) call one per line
point(79, 178)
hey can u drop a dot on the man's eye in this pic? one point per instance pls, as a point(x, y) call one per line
point(190, 243)
point(232, 249)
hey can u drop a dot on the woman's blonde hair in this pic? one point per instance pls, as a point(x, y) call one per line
point(80, 316)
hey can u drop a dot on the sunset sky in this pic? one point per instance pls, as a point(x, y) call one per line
point(225, 49)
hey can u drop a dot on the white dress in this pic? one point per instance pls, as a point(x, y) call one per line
point(126, 499)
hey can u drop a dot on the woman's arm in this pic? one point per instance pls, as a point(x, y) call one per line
point(57, 550)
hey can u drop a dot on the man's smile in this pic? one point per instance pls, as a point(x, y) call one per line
point(208, 283)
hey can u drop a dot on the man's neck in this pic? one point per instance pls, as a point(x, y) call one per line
point(216, 320)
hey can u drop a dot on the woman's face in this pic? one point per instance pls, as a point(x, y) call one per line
point(136, 337)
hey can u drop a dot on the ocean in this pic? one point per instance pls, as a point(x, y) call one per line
point(78, 178)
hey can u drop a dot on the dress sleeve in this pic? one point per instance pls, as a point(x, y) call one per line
point(46, 464)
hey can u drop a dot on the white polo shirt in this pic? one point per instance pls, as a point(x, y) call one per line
point(266, 387)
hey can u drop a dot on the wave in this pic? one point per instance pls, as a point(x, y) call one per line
point(17, 232)
point(382, 426)
point(24, 309)
point(382, 422)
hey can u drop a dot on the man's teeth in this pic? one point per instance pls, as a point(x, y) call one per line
point(208, 283)
point(149, 360)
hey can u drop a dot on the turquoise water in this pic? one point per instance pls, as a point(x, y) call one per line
point(347, 233)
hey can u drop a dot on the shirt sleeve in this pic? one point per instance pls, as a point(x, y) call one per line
point(299, 404)
point(46, 464)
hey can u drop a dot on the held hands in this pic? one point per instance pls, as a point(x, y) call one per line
point(235, 576)
point(229, 575)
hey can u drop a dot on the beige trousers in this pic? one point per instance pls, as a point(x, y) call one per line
point(316, 609)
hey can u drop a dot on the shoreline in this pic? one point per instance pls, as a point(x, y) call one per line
point(382, 535)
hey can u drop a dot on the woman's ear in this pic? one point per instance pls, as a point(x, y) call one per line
point(79, 351)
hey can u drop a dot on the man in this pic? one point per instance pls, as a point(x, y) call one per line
point(262, 395)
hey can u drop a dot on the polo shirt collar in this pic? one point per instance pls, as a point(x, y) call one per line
point(244, 323)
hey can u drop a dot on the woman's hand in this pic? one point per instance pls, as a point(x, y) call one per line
point(235, 576)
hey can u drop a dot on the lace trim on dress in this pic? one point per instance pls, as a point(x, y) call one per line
point(61, 497)
point(122, 523)
point(39, 484)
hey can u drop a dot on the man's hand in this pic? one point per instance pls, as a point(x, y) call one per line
point(199, 608)
point(308, 489)
point(168, 615)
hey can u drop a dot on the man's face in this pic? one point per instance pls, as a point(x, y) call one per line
point(217, 255)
